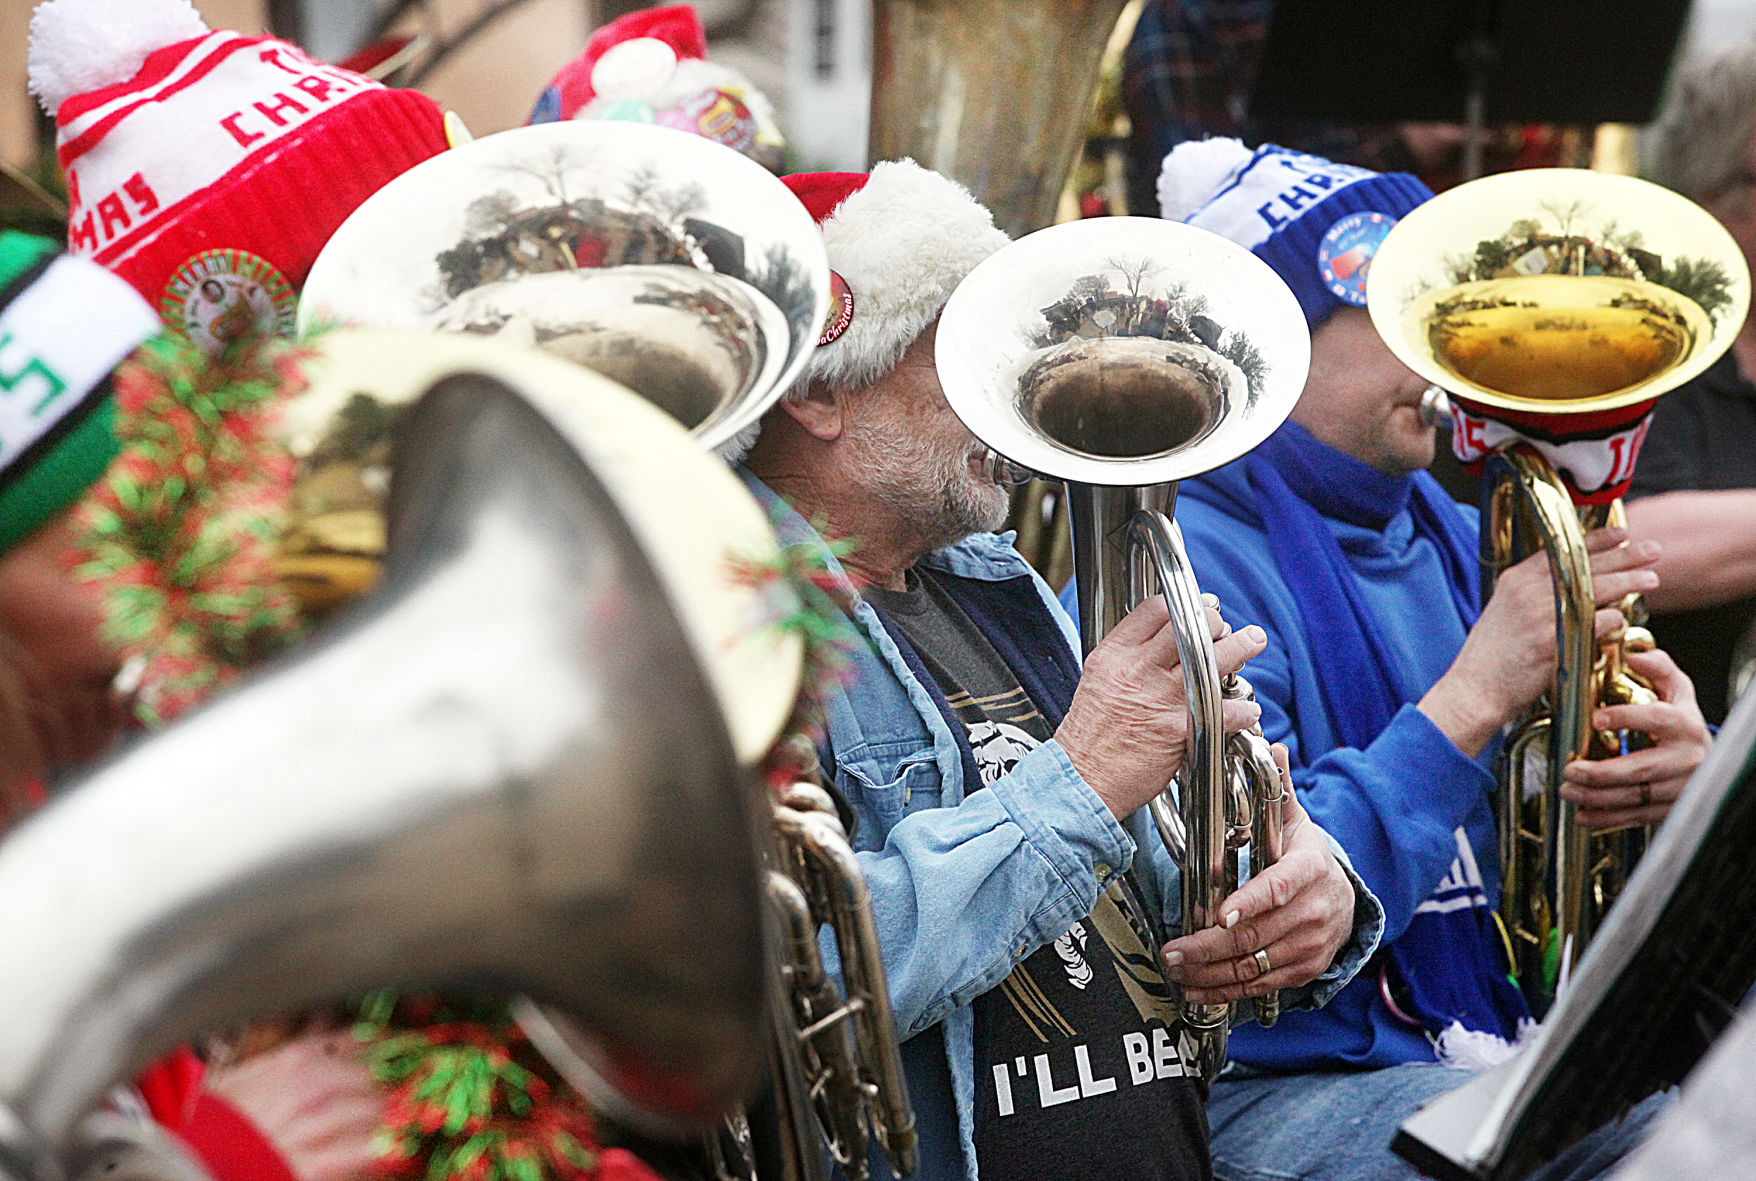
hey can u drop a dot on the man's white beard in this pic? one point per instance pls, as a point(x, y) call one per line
point(935, 489)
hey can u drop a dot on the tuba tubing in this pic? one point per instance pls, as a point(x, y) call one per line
point(881, 1077)
point(1127, 545)
point(1200, 799)
point(1524, 487)
point(455, 788)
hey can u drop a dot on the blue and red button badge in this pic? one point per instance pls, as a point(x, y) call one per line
point(1345, 254)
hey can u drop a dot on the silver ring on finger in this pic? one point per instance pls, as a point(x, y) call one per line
point(1261, 958)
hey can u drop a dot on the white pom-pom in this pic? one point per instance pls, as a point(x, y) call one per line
point(1195, 171)
point(1473, 1049)
point(82, 45)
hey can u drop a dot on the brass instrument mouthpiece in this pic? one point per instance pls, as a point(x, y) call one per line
point(1435, 407)
point(1006, 473)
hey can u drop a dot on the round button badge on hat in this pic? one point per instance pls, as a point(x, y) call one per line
point(219, 296)
point(1345, 253)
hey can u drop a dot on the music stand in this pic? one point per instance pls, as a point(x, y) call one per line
point(1658, 984)
point(1467, 61)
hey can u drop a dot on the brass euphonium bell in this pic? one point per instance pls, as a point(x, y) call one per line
point(1566, 299)
point(1122, 355)
point(472, 780)
point(994, 94)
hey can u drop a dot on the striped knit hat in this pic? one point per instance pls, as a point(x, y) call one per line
point(1315, 222)
point(209, 168)
point(64, 325)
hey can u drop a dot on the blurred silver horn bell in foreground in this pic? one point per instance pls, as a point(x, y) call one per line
point(471, 781)
point(1121, 355)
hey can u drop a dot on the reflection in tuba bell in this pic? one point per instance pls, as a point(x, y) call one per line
point(666, 262)
point(1555, 305)
point(1137, 353)
point(534, 693)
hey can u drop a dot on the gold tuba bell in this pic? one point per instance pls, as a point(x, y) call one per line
point(1122, 355)
point(1554, 305)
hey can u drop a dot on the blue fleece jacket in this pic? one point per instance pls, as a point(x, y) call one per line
point(1396, 805)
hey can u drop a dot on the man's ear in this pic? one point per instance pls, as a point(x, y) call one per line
point(821, 411)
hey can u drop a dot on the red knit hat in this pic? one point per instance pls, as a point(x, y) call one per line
point(651, 67)
point(209, 168)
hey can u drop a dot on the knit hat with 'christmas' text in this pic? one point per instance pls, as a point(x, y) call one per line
point(1317, 223)
point(208, 168)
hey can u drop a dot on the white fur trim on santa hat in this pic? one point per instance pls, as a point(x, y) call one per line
point(903, 242)
point(1195, 171)
point(78, 46)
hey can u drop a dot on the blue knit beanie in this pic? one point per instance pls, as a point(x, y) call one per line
point(1316, 223)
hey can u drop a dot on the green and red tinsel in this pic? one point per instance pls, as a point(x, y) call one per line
point(180, 538)
point(180, 532)
point(471, 1099)
point(806, 594)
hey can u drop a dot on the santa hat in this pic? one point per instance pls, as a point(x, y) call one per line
point(651, 67)
point(900, 240)
point(209, 168)
point(1315, 222)
point(65, 323)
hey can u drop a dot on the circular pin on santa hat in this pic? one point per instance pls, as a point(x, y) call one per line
point(841, 309)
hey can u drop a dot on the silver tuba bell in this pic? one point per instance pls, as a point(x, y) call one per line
point(470, 780)
point(1121, 355)
point(670, 263)
point(691, 275)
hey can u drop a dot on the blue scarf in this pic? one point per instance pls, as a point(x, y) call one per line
point(1450, 961)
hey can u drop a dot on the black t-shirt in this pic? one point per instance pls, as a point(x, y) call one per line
point(1703, 439)
point(1082, 1069)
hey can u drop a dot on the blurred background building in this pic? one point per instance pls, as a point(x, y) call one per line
point(810, 56)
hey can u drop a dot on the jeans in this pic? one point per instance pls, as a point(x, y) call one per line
point(1338, 1127)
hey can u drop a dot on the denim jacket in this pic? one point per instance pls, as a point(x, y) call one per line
point(964, 887)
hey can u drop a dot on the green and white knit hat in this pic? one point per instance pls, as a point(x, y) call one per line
point(65, 324)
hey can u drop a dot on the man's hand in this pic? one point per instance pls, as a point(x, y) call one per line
point(1298, 911)
point(1127, 727)
point(315, 1101)
point(1640, 787)
point(1508, 659)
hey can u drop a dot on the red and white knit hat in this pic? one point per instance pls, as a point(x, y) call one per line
point(900, 239)
point(209, 168)
point(651, 66)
